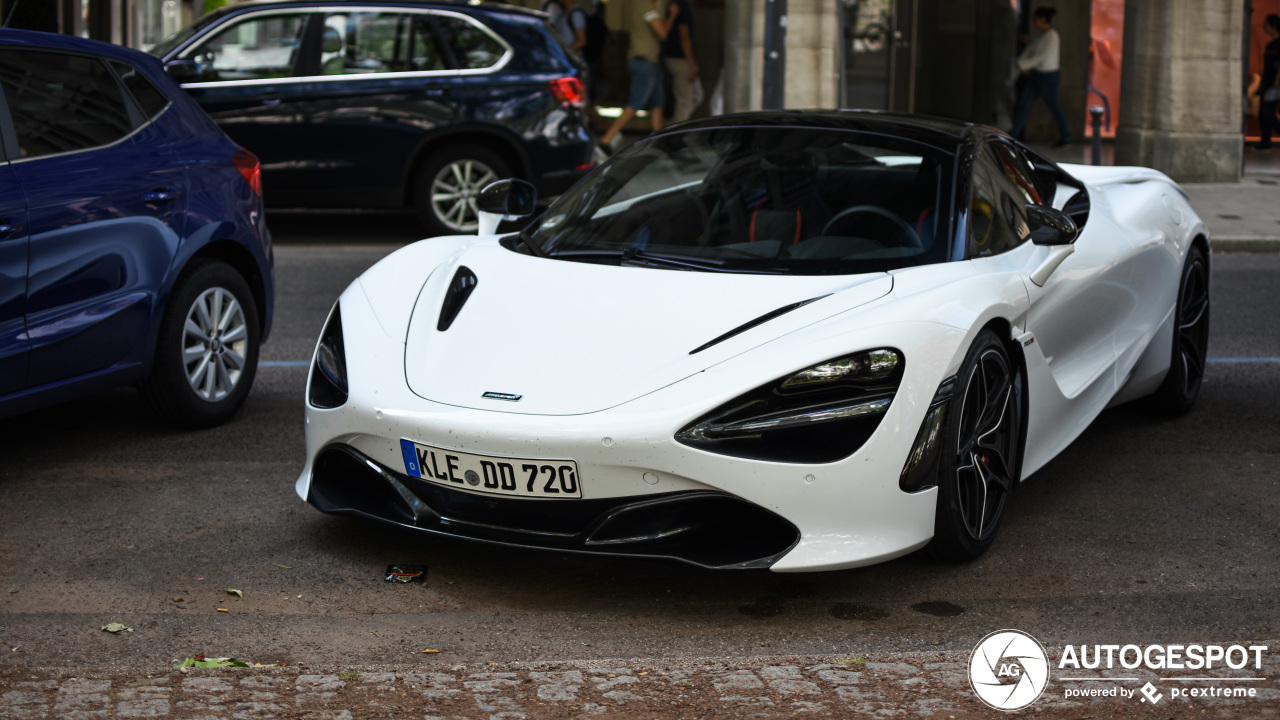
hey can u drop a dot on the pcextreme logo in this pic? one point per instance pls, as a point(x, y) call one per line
point(1010, 669)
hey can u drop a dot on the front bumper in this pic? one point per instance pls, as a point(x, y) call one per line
point(707, 529)
point(846, 514)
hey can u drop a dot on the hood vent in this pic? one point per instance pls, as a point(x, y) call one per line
point(460, 288)
point(758, 321)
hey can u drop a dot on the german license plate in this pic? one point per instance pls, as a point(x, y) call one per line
point(544, 478)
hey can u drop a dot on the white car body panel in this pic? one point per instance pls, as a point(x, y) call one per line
point(603, 352)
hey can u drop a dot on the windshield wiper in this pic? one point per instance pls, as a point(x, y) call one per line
point(632, 256)
point(534, 250)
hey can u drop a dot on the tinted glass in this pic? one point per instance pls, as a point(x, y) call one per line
point(1001, 192)
point(255, 48)
point(149, 97)
point(360, 43)
point(62, 103)
point(472, 47)
point(786, 200)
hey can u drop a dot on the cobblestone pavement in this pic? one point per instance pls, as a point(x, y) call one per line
point(916, 685)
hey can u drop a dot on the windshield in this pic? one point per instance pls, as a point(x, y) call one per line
point(788, 200)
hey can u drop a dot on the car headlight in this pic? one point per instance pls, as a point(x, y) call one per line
point(329, 369)
point(821, 414)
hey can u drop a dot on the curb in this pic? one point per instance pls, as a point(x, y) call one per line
point(1246, 244)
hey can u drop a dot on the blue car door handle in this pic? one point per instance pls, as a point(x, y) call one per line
point(158, 195)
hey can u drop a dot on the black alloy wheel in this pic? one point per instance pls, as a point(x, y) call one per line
point(981, 452)
point(1181, 387)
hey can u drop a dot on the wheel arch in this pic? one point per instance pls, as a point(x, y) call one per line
point(242, 261)
point(507, 147)
point(1003, 328)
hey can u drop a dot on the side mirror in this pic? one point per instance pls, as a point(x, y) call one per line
point(183, 70)
point(505, 200)
point(1050, 227)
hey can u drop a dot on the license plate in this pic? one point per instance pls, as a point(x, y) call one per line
point(494, 475)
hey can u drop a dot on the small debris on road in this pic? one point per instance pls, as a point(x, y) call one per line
point(201, 662)
point(237, 593)
point(223, 610)
point(429, 651)
point(286, 567)
point(406, 573)
point(114, 628)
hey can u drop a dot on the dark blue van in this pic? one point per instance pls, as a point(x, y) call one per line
point(389, 104)
point(133, 249)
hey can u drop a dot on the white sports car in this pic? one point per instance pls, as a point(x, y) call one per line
point(789, 340)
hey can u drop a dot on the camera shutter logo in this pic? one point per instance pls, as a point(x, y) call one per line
point(1008, 670)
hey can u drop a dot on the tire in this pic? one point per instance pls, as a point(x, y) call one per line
point(195, 381)
point(445, 188)
point(981, 453)
point(1181, 386)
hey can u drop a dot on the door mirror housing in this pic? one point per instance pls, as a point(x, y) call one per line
point(183, 70)
point(505, 200)
point(1049, 226)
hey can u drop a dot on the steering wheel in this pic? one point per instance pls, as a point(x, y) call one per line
point(913, 237)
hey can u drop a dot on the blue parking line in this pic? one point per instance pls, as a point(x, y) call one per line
point(283, 363)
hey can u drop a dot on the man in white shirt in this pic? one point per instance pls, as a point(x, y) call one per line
point(1041, 62)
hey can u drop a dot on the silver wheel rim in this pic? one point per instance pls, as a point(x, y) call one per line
point(215, 340)
point(454, 190)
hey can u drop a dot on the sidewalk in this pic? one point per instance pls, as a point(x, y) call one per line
point(908, 685)
point(1242, 217)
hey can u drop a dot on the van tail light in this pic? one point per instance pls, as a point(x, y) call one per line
point(249, 167)
point(568, 90)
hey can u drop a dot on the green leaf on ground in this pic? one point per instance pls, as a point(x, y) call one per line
point(204, 662)
point(116, 627)
point(237, 593)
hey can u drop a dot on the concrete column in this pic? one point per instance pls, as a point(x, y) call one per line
point(813, 34)
point(1181, 100)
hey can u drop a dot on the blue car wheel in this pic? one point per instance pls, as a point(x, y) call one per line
point(207, 350)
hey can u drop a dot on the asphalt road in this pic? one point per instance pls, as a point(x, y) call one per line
point(1145, 530)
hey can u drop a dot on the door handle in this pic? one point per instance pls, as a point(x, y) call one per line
point(7, 228)
point(434, 92)
point(271, 101)
point(159, 195)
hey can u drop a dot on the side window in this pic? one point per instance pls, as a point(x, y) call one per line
point(1001, 192)
point(61, 103)
point(149, 97)
point(255, 48)
point(471, 47)
point(359, 43)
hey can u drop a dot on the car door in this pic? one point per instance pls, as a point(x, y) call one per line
point(13, 282)
point(105, 205)
point(379, 86)
point(247, 84)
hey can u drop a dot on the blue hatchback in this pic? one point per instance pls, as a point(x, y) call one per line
point(133, 249)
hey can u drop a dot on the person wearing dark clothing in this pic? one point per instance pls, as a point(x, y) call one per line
point(677, 55)
point(1041, 61)
point(1269, 89)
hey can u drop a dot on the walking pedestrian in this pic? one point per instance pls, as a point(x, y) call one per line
point(678, 56)
point(570, 22)
point(1041, 63)
point(648, 29)
point(1268, 90)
